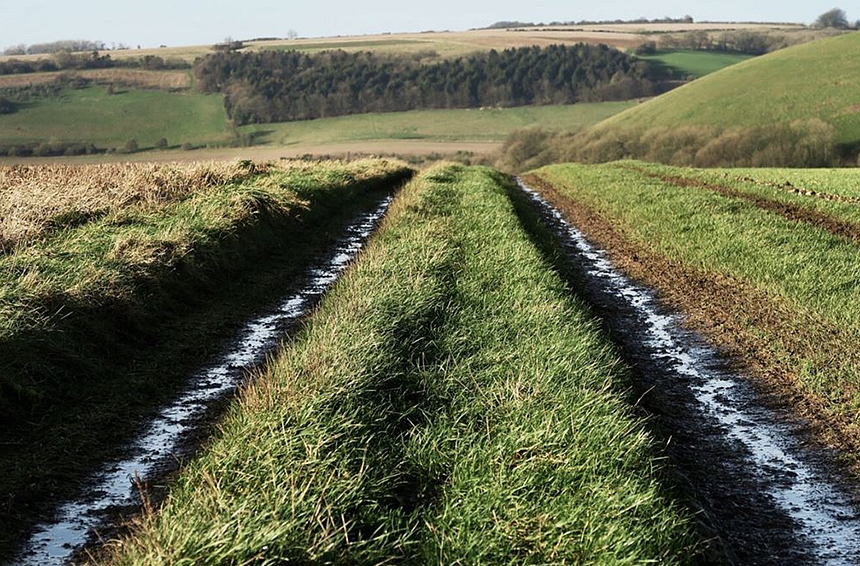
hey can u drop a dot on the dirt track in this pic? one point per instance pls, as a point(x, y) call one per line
point(740, 458)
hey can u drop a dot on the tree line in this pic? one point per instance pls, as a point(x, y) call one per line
point(278, 86)
point(66, 61)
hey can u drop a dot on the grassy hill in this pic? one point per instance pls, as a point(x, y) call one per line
point(752, 113)
point(815, 80)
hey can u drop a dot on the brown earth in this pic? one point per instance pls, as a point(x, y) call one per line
point(765, 334)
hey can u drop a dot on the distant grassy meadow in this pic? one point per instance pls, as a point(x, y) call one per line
point(484, 124)
point(696, 64)
point(110, 120)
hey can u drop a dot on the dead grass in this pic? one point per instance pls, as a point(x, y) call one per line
point(37, 199)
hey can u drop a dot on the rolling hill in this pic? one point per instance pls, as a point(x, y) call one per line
point(764, 106)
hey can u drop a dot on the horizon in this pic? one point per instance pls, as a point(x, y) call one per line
point(163, 23)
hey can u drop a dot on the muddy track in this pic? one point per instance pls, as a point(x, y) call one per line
point(794, 212)
point(739, 319)
point(720, 431)
point(119, 489)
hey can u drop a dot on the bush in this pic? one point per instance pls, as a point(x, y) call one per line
point(7, 106)
point(161, 144)
point(647, 48)
point(803, 143)
point(187, 146)
point(131, 146)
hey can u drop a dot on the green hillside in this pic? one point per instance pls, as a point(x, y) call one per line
point(110, 120)
point(687, 63)
point(818, 80)
point(490, 124)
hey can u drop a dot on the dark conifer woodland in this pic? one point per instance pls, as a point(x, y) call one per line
point(279, 86)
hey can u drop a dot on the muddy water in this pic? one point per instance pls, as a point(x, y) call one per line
point(75, 522)
point(764, 497)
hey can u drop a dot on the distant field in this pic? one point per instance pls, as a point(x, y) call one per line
point(443, 132)
point(696, 63)
point(453, 43)
point(92, 115)
point(161, 80)
point(489, 125)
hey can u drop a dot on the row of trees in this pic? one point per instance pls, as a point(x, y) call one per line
point(277, 86)
point(70, 45)
point(666, 20)
point(66, 61)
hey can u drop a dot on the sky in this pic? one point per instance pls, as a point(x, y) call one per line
point(151, 23)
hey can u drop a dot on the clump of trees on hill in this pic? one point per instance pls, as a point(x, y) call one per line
point(835, 18)
point(738, 41)
point(278, 86)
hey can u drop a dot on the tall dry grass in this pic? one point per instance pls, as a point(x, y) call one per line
point(34, 200)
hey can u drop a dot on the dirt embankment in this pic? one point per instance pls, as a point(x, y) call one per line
point(741, 321)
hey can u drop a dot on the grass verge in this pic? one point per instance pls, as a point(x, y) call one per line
point(448, 403)
point(145, 293)
point(778, 291)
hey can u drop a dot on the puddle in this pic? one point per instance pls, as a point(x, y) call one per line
point(771, 499)
point(75, 522)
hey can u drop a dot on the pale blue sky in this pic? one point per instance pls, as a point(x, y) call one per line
point(150, 23)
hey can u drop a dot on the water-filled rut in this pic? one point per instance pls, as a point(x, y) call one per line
point(763, 495)
point(114, 486)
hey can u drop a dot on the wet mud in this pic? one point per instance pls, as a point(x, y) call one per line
point(761, 493)
point(172, 433)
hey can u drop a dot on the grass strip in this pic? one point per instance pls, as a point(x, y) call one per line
point(448, 403)
point(779, 293)
point(104, 320)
